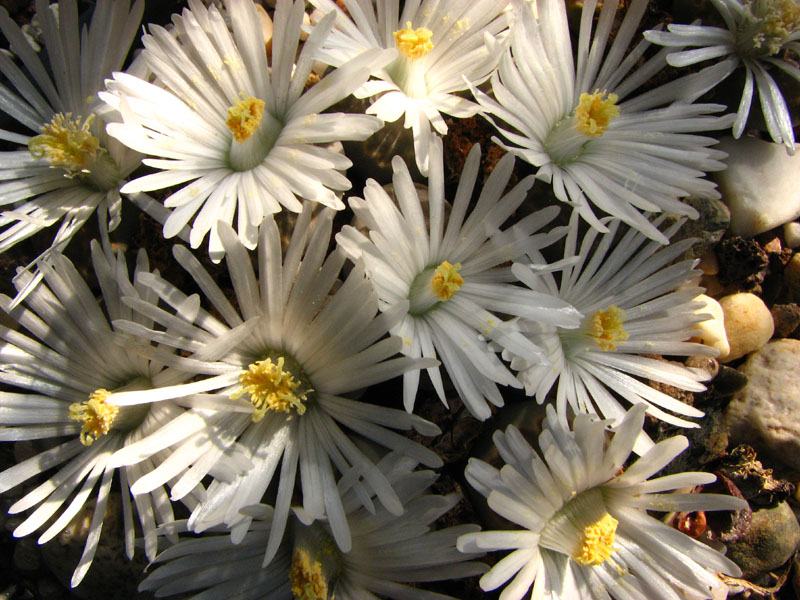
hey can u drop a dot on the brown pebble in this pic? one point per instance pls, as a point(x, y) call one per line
point(791, 275)
point(706, 363)
point(786, 318)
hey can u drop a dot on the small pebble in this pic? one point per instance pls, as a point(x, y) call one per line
point(709, 264)
point(791, 274)
point(712, 332)
point(759, 185)
point(786, 318)
point(763, 413)
point(772, 539)
point(748, 324)
point(791, 234)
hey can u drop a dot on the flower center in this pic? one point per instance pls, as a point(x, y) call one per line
point(254, 130)
point(244, 117)
point(316, 562)
point(766, 25)
point(66, 143)
point(433, 286)
point(96, 414)
point(593, 113)
point(605, 327)
point(271, 387)
point(568, 138)
point(99, 416)
point(446, 281)
point(413, 43)
point(598, 541)
point(306, 577)
point(582, 529)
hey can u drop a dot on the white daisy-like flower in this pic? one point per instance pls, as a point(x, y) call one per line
point(585, 130)
point(584, 527)
point(449, 272)
point(68, 367)
point(438, 44)
point(389, 552)
point(71, 166)
point(239, 128)
point(280, 370)
point(634, 302)
point(758, 32)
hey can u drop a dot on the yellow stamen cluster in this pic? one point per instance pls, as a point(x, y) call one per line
point(305, 575)
point(598, 541)
point(97, 416)
point(244, 117)
point(594, 113)
point(66, 143)
point(776, 19)
point(413, 43)
point(446, 281)
point(270, 387)
point(605, 326)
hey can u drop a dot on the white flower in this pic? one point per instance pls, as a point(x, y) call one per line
point(240, 130)
point(67, 367)
point(585, 530)
point(586, 132)
point(71, 166)
point(389, 551)
point(448, 274)
point(634, 302)
point(438, 43)
point(280, 369)
point(758, 31)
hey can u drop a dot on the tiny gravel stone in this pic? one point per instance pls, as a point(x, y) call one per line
point(791, 234)
point(791, 275)
point(772, 539)
point(748, 324)
point(764, 413)
point(786, 318)
point(759, 185)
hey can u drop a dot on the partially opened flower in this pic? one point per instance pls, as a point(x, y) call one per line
point(280, 370)
point(634, 302)
point(67, 367)
point(241, 130)
point(389, 552)
point(585, 531)
point(584, 128)
point(451, 274)
point(70, 166)
point(758, 33)
point(438, 45)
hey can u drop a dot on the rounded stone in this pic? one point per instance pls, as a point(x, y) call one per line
point(791, 274)
point(772, 539)
point(748, 324)
point(759, 185)
point(791, 234)
point(764, 412)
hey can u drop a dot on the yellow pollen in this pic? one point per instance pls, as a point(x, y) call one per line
point(605, 326)
point(598, 542)
point(66, 143)
point(593, 113)
point(244, 117)
point(414, 43)
point(446, 281)
point(305, 575)
point(778, 20)
point(271, 388)
point(96, 414)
